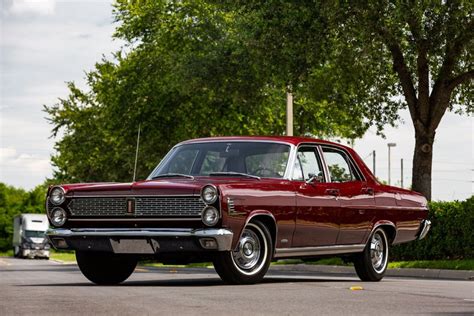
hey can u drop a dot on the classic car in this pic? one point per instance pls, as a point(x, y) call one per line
point(238, 202)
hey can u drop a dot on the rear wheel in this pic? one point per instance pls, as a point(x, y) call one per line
point(249, 261)
point(105, 268)
point(371, 264)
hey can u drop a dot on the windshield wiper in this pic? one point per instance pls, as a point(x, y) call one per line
point(172, 175)
point(231, 173)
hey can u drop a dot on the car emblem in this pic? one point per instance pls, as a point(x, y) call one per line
point(131, 206)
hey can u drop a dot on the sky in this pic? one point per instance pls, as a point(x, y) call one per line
point(46, 43)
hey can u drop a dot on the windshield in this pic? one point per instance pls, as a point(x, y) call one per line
point(259, 159)
point(34, 234)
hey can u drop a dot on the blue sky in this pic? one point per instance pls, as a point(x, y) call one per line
point(45, 43)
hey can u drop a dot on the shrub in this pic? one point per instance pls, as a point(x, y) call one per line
point(451, 235)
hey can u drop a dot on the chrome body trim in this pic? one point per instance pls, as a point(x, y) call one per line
point(131, 196)
point(424, 228)
point(247, 221)
point(317, 251)
point(223, 237)
point(134, 219)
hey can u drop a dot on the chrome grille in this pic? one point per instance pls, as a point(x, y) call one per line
point(148, 206)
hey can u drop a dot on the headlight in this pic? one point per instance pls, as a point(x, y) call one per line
point(58, 216)
point(57, 196)
point(210, 216)
point(209, 194)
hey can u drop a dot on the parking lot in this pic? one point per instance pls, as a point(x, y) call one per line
point(47, 287)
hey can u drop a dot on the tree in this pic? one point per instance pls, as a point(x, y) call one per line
point(430, 44)
point(184, 72)
point(375, 51)
point(14, 201)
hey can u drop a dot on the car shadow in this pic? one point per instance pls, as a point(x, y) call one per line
point(195, 282)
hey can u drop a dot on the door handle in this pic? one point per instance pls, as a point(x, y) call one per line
point(369, 191)
point(334, 192)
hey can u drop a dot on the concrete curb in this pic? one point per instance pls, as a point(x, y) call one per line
point(408, 273)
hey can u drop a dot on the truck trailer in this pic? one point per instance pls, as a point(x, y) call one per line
point(29, 240)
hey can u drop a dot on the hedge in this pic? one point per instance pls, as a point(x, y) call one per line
point(451, 235)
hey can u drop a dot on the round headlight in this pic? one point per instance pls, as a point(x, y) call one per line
point(57, 196)
point(210, 216)
point(58, 216)
point(209, 194)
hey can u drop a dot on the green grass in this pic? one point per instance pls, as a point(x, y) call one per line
point(458, 264)
point(191, 265)
point(8, 253)
point(463, 264)
point(63, 256)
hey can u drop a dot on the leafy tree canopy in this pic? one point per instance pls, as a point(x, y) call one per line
point(371, 53)
point(14, 201)
point(188, 69)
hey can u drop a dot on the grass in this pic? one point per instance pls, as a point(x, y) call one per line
point(461, 264)
point(64, 256)
point(455, 264)
point(8, 253)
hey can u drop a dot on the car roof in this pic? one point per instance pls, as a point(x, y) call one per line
point(293, 140)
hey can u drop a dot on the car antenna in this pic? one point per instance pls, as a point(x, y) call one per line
point(136, 153)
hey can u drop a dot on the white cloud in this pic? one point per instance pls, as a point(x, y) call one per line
point(22, 169)
point(41, 7)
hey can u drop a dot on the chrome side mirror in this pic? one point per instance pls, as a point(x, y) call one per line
point(314, 178)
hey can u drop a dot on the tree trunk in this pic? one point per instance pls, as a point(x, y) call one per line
point(423, 162)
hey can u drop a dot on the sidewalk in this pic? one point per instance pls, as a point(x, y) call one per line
point(410, 273)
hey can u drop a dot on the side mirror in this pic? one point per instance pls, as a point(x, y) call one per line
point(314, 178)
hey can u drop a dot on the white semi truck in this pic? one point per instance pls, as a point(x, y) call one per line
point(29, 236)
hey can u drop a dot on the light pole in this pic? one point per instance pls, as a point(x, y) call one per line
point(373, 162)
point(401, 172)
point(389, 145)
point(289, 113)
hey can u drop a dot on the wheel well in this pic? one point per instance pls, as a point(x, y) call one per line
point(269, 223)
point(390, 231)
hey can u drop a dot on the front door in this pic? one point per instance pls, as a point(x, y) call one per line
point(316, 202)
point(356, 197)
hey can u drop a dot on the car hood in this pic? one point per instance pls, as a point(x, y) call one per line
point(174, 186)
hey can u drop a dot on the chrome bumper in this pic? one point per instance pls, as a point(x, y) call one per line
point(424, 229)
point(142, 240)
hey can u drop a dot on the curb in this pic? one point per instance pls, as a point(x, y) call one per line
point(409, 273)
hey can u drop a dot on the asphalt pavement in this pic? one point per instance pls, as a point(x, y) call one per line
point(40, 287)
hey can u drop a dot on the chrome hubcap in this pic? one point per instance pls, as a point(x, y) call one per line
point(378, 252)
point(247, 254)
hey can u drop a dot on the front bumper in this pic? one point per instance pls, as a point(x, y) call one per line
point(424, 228)
point(33, 253)
point(141, 240)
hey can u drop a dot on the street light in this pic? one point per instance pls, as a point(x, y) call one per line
point(389, 145)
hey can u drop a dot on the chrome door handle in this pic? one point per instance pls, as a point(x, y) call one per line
point(334, 192)
point(369, 191)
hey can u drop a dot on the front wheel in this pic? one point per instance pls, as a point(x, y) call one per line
point(371, 264)
point(105, 268)
point(249, 261)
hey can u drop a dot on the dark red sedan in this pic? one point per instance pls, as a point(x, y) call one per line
point(239, 202)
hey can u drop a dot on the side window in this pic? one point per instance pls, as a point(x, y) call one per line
point(307, 164)
point(340, 168)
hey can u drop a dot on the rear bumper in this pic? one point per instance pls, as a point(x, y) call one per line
point(141, 240)
point(424, 229)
